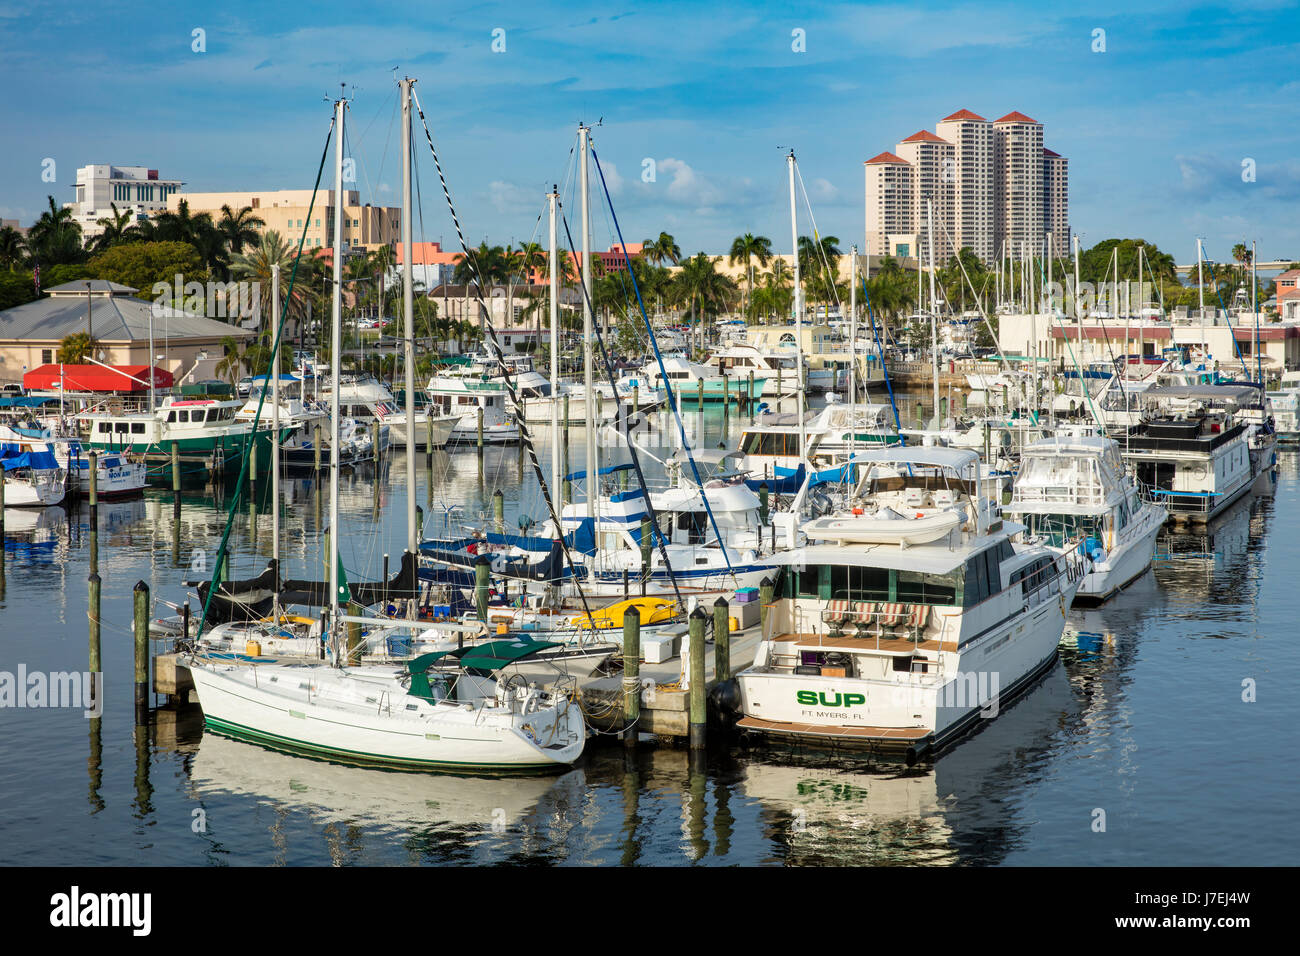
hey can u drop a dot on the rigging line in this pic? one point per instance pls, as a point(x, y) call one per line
point(252, 433)
point(524, 436)
point(1002, 359)
point(834, 285)
point(871, 314)
point(663, 372)
point(656, 534)
point(1241, 358)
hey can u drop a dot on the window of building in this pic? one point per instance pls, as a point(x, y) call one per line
point(47, 356)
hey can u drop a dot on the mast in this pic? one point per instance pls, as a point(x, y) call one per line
point(1200, 295)
point(1078, 315)
point(336, 347)
point(553, 201)
point(798, 313)
point(274, 371)
point(934, 306)
point(408, 321)
point(588, 334)
point(853, 344)
point(1254, 311)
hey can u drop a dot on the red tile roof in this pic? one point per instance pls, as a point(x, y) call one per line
point(886, 157)
point(1016, 117)
point(924, 136)
point(964, 115)
point(1050, 153)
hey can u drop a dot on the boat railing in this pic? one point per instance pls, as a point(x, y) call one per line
point(1089, 495)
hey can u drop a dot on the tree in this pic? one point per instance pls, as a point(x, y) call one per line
point(199, 231)
point(141, 265)
point(11, 248)
point(704, 288)
point(747, 248)
point(239, 228)
point(232, 362)
point(661, 250)
point(256, 264)
point(74, 348)
point(115, 230)
point(55, 238)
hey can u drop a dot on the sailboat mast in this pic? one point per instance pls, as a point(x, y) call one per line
point(336, 347)
point(798, 312)
point(1078, 313)
point(274, 372)
point(934, 306)
point(408, 322)
point(588, 333)
point(1200, 295)
point(1254, 311)
point(554, 270)
point(853, 344)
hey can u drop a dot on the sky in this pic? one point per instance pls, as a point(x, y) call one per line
point(1163, 115)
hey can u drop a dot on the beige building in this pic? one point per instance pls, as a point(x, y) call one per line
point(122, 327)
point(934, 162)
point(132, 189)
point(995, 189)
point(891, 228)
point(289, 212)
point(973, 185)
point(1018, 156)
point(1056, 203)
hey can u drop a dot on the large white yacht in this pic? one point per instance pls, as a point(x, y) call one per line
point(1074, 492)
point(909, 615)
point(1192, 451)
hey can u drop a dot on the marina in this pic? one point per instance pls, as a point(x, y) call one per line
point(678, 467)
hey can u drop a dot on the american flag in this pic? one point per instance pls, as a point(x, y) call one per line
point(36, 277)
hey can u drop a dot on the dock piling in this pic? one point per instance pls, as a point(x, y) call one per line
point(141, 622)
point(482, 568)
point(94, 660)
point(499, 511)
point(93, 471)
point(176, 468)
point(765, 589)
point(721, 639)
point(695, 672)
point(631, 674)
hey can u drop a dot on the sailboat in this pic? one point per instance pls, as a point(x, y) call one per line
point(449, 710)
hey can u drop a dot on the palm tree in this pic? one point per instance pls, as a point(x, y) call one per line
point(11, 248)
point(706, 289)
point(55, 238)
point(199, 231)
point(748, 248)
point(74, 348)
point(239, 228)
point(232, 363)
point(114, 230)
point(661, 250)
point(255, 266)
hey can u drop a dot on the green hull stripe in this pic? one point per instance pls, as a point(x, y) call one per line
point(275, 741)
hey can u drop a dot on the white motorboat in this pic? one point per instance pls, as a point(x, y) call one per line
point(1073, 492)
point(903, 649)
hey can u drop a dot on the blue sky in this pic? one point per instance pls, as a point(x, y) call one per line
point(1156, 127)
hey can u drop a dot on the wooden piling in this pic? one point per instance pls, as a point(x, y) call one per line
point(699, 394)
point(721, 639)
point(482, 569)
point(480, 432)
point(141, 622)
point(763, 493)
point(94, 664)
point(315, 449)
point(354, 633)
point(93, 471)
point(374, 438)
point(749, 396)
point(176, 468)
point(252, 460)
point(765, 589)
point(695, 672)
point(631, 674)
point(499, 511)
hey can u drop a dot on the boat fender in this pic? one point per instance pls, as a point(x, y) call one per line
point(725, 698)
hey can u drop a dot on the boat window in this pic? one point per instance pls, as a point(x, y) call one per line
point(859, 583)
point(183, 416)
point(808, 581)
point(977, 580)
point(119, 428)
point(915, 587)
point(137, 428)
point(105, 428)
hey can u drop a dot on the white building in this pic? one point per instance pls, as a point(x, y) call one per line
point(1018, 157)
point(973, 189)
point(890, 227)
point(134, 189)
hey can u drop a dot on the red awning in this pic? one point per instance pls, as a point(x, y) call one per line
point(96, 378)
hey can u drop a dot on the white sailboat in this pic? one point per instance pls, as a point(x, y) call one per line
point(450, 710)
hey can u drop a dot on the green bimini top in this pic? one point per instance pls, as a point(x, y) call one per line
point(483, 658)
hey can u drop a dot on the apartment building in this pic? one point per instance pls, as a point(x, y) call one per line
point(891, 228)
point(1056, 203)
point(973, 186)
point(1018, 178)
point(290, 212)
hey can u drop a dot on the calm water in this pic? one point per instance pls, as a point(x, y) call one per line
point(1142, 719)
